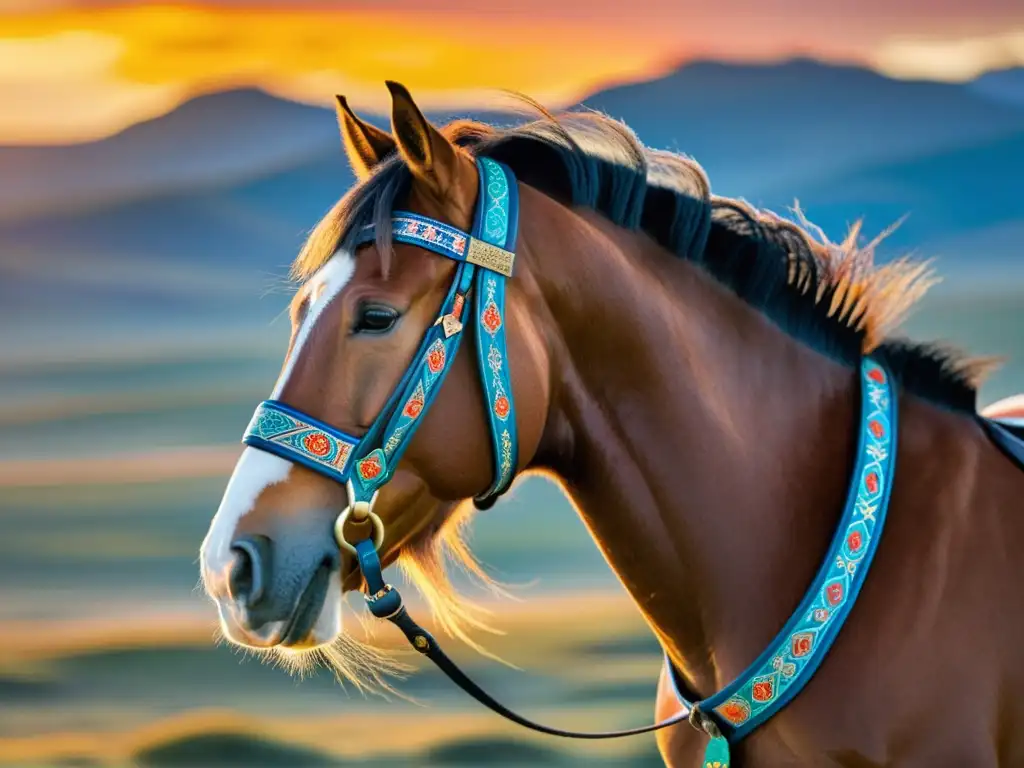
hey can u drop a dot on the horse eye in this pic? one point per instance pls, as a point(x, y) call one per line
point(375, 318)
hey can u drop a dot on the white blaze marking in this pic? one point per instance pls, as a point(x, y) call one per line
point(255, 471)
point(322, 288)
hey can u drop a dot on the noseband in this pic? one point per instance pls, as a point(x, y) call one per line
point(485, 259)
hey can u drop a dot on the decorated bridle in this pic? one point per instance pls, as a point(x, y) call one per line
point(365, 464)
point(485, 259)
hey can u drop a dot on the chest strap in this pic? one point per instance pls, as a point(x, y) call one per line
point(791, 659)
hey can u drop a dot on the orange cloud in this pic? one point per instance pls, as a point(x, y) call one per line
point(75, 71)
point(952, 58)
point(71, 75)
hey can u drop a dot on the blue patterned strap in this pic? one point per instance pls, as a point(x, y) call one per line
point(794, 655)
point(446, 240)
point(290, 434)
point(412, 400)
point(497, 219)
point(495, 226)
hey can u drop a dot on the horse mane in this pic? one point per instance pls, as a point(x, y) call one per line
point(829, 295)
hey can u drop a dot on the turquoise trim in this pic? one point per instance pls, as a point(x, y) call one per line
point(794, 655)
point(291, 434)
point(496, 223)
point(495, 190)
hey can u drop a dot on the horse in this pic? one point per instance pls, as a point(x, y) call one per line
point(715, 388)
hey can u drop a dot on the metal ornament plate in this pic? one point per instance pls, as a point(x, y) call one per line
point(451, 325)
point(491, 257)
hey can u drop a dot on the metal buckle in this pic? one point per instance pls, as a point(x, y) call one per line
point(388, 589)
point(359, 511)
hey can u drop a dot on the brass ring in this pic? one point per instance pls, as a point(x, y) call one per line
point(339, 530)
point(360, 511)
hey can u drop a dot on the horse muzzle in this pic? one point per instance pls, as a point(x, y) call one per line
point(281, 591)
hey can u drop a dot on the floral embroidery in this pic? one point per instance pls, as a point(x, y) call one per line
point(735, 710)
point(760, 689)
point(496, 215)
point(491, 318)
point(414, 405)
point(501, 407)
point(372, 466)
point(295, 435)
point(317, 443)
point(416, 232)
point(834, 593)
point(436, 357)
point(506, 455)
point(802, 643)
point(763, 689)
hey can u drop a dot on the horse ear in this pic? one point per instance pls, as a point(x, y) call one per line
point(429, 155)
point(365, 144)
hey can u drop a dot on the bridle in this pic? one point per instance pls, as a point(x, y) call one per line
point(485, 260)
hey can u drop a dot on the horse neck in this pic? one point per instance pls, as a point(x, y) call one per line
point(707, 451)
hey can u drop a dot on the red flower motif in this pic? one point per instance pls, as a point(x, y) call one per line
point(435, 358)
point(855, 541)
point(762, 690)
point(370, 467)
point(801, 643)
point(876, 429)
point(460, 300)
point(876, 375)
point(834, 593)
point(317, 443)
point(871, 482)
point(821, 614)
point(491, 318)
point(414, 406)
point(735, 711)
point(502, 406)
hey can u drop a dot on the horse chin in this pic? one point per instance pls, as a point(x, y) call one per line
point(289, 636)
point(327, 627)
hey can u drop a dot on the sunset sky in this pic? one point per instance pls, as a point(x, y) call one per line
point(77, 71)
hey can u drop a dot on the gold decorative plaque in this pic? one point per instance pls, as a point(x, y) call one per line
point(490, 257)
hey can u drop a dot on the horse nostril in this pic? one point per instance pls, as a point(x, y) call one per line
point(251, 569)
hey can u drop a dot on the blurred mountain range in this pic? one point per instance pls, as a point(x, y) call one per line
point(1006, 85)
point(188, 216)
